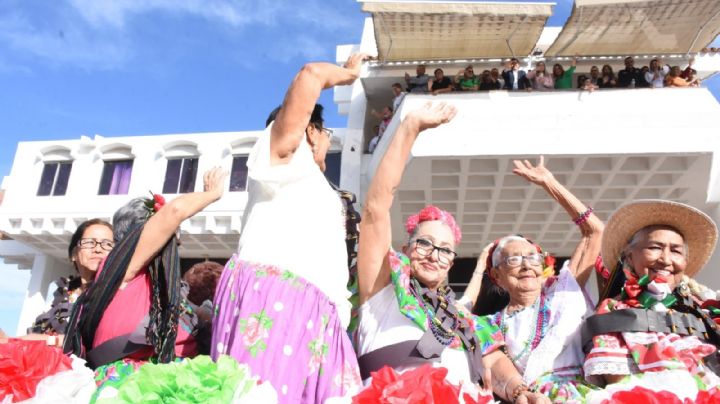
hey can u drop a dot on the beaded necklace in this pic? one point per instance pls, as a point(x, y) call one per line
point(539, 329)
point(443, 335)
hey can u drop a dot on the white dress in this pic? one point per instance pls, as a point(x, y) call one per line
point(294, 220)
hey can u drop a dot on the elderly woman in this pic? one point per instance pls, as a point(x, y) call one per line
point(541, 323)
point(282, 301)
point(134, 311)
point(540, 79)
point(89, 245)
point(407, 314)
point(660, 332)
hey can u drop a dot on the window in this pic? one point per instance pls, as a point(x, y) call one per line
point(332, 167)
point(54, 179)
point(180, 175)
point(238, 174)
point(115, 178)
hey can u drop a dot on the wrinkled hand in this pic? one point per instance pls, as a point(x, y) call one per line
point(536, 174)
point(532, 398)
point(214, 181)
point(432, 115)
point(354, 63)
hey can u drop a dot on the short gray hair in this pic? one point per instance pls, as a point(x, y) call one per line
point(128, 216)
point(635, 239)
point(501, 244)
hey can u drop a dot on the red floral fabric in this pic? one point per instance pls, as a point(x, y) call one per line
point(24, 363)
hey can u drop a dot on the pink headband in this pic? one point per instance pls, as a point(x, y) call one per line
point(430, 213)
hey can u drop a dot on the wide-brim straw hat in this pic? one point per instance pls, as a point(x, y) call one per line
point(698, 230)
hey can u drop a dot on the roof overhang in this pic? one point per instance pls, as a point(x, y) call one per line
point(434, 30)
point(634, 27)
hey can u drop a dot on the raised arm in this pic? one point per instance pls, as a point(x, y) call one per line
point(589, 224)
point(473, 289)
point(375, 231)
point(163, 224)
point(293, 118)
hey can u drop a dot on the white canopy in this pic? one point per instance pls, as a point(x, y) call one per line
point(408, 31)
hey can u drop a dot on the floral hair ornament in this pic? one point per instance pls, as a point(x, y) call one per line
point(154, 204)
point(429, 214)
point(548, 259)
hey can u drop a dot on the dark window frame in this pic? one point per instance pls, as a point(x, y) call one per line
point(57, 185)
point(108, 174)
point(183, 181)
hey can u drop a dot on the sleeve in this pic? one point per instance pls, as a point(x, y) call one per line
point(649, 77)
point(270, 177)
point(488, 334)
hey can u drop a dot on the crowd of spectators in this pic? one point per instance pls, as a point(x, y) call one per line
point(514, 78)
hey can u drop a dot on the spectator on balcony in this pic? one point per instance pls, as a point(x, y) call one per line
point(595, 76)
point(540, 79)
point(686, 71)
point(487, 83)
point(642, 81)
point(629, 77)
point(374, 140)
point(607, 79)
point(515, 78)
point(656, 73)
point(674, 78)
point(466, 80)
point(563, 78)
point(440, 83)
point(495, 74)
point(581, 81)
point(419, 83)
point(398, 96)
point(385, 117)
point(586, 84)
point(692, 78)
point(89, 246)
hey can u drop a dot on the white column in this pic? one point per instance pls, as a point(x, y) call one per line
point(45, 270)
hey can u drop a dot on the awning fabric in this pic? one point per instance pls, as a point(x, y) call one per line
point(413, 31)
point(634, 27)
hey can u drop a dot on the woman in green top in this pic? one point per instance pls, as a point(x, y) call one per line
point(563, 78)
point(466, 80)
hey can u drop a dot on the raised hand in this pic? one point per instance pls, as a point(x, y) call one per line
point(536, 174)
point(354, 63)
point(432, 116)
point(214, 181)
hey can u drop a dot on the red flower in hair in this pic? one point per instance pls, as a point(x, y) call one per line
point(601, 269)
point(159, 202)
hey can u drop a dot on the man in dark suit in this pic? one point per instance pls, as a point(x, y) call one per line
point(514, 77)
point(630, 75)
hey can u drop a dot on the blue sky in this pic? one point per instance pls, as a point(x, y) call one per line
point(132, 67)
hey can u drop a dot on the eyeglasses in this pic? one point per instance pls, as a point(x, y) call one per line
point(328, 132)
point(425, 248)
point(516, 260)
point(89, 243)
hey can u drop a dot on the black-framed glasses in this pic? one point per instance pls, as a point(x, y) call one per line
point(517, 260)
point(426, 248)
point(90, 243)
point(327, 131)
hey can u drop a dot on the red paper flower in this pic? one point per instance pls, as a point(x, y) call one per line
point(159, 202)
point(601, 269)
point(423, 385)
point(24, 363)
point(706, 397)
point(550, 261)
point(641, 395)
point(632, 288)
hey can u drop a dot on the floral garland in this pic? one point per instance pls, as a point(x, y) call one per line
point(649, 294)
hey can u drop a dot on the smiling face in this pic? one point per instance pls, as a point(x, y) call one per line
point(87, 260)
point(658, 251)
point(525, 278)
point(429, 270)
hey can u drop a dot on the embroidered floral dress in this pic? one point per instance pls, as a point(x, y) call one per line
point(394, 315)
point(652, 360)
point(543, 340)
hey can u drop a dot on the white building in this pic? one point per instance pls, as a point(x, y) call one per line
point(609, 147)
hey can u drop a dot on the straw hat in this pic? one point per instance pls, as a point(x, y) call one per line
point(699, 231)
